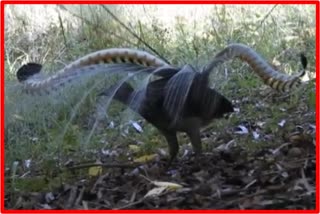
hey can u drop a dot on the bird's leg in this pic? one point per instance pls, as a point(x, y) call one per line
point(172, 141)
point(194, 135)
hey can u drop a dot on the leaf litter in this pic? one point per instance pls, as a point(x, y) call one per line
point(280, 174)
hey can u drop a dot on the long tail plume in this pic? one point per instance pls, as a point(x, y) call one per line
point(275, 79)
point(108, 60)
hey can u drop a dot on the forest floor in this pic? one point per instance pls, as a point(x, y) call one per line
point(264, 159)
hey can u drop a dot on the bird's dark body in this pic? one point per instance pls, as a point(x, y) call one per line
point(202, 105)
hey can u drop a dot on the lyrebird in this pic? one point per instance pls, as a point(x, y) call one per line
point(180, 100)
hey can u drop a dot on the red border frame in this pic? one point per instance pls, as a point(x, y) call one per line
point(3, 3)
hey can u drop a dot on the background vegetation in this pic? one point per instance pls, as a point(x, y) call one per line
point(43, 134)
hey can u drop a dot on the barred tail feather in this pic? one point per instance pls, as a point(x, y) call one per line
point(108, 60)
point(275, 79)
